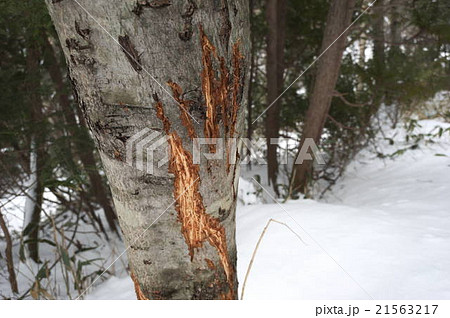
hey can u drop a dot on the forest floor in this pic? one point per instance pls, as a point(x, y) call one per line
point(382, 232)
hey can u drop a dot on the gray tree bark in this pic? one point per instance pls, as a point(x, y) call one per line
point(179, 221)
point(338, 19)
point(83, 149)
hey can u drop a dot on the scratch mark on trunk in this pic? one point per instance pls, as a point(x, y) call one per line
point(211, 91)
point(185, 106)
point(216, 91)
point(197, 226)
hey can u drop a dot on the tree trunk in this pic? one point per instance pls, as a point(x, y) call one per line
point(338, 19)
point(176, 60)
point(378, 54)
point(395, 17)
point(33, 203)
point(252, 72)
point(84, 150)
point(276, 16)
point(9, 255)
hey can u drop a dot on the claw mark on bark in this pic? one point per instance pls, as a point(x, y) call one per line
point(197, 226)
point(217, 91)
point(156, 4)
point(130, 52)
point(185, 106)
point(213, 89)
point(210, 264)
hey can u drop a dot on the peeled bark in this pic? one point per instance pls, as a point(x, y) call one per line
point(338, 19)
point(178, 221)
point(276, 16)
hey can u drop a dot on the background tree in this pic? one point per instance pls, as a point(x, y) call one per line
point(339, 18)
point(276, 16)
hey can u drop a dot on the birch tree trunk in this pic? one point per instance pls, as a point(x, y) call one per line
point(338, 19)
point(178, 63)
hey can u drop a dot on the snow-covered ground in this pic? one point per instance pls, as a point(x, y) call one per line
point(383, 232)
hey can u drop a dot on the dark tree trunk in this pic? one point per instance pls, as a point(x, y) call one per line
point(395, 17)
point(378, 53)
point(178, 221)
point(276, 16)
point(338, 19)
point(252, 71)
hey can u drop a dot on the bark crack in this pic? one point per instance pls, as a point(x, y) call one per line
point(189, 10)
point(155, 4)
point(130, 52)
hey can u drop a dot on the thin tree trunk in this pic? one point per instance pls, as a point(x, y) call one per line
point(84, 150)
point(9, 255)
point(178, 221)
point(338, 19)
point(275, 13)
point(252, 72)
point(395, 38)
point(361, 62)
point(378, 53)
point(33, 204)
point(395, 32)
